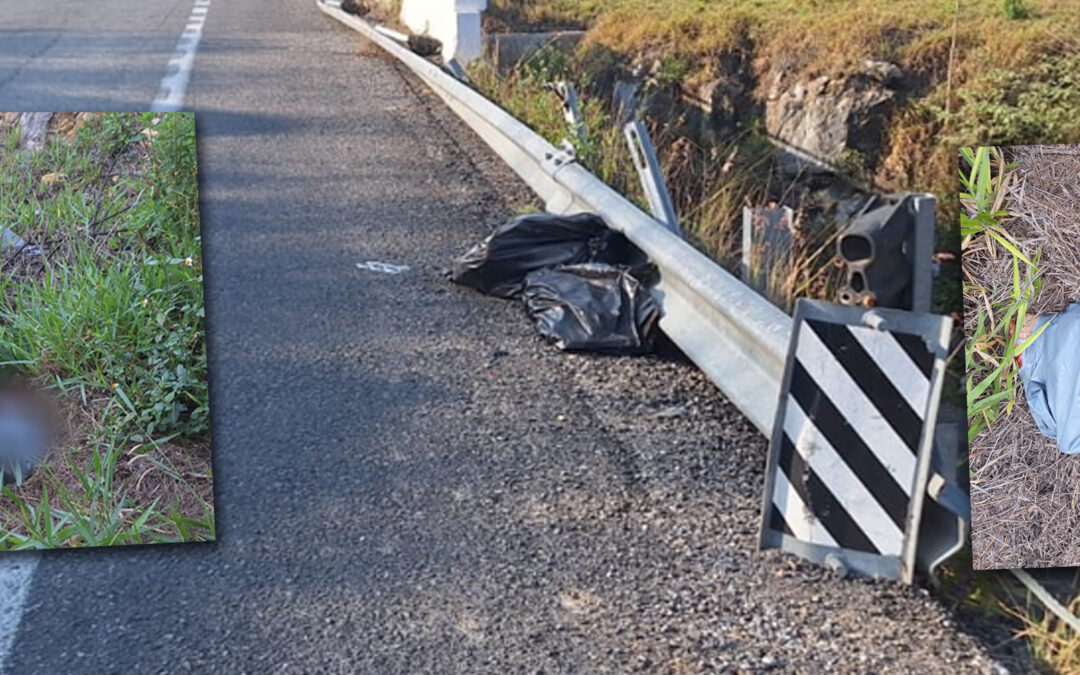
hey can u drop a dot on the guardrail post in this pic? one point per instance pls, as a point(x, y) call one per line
point(652, 178)
point(887, 253)
point(454, 23)
point(766, 245)
point(571, 108)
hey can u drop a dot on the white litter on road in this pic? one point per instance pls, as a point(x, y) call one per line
point(170, 97)
point(385, 268)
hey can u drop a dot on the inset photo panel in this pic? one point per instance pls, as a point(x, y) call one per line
point(1020, 229)
point(104, 410)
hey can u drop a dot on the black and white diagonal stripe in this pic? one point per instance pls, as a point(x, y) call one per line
point(854, 416)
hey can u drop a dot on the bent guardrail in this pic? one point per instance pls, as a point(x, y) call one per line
point(735, 336)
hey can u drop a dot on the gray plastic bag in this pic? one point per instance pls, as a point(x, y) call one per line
point(1050, 372)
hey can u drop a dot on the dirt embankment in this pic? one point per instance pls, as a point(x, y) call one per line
point(885, 91)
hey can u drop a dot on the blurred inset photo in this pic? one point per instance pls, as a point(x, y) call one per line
point(1020, 229)
point(104, 407)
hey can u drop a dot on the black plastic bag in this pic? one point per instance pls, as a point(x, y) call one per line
point(592, 307)
point(498, 265)
point(424, 45)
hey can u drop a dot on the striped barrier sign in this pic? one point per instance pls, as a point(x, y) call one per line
point(851, 447)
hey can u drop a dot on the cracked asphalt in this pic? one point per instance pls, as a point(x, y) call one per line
point(408, 479)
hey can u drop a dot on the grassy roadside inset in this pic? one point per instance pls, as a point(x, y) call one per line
point(109, 320)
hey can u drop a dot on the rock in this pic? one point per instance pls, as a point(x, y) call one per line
point(424, 45)
point(355, 7)
point(837, 120)
point(884, 72)
point(34, 126)
point(728, 97)
point(725, 103)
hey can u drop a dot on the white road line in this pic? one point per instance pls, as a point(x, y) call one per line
point(170, 97)
point(16, 573)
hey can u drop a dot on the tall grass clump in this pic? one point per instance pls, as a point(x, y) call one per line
point(1016, 9)
point(709, 184)
point(994, 343)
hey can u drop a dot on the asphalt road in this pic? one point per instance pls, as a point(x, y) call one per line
point(407, 479)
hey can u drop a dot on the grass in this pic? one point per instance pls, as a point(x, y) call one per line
point(1053, 643)
point(809, 37)
point(1016, 9)
point(109, 320)
point(992, 371)
point(709, 185)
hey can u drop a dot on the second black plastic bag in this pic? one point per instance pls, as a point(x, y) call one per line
point(591, 307)
point(498, 265)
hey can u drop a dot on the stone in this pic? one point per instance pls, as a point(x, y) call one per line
point(884, 72)
point(34, 127)
point(835, 119)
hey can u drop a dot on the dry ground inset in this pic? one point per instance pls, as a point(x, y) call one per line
point(1025, 493)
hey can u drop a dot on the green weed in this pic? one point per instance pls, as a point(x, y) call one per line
point(1016, 9)
point(111, 311)
point(992, 372)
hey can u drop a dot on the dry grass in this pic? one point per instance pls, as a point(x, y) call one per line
point(812, 37)
point(975, 76)
point(175, 475)
point(1025, 493)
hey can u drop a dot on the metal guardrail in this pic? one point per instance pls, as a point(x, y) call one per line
point(652, 178)
point(735, 336)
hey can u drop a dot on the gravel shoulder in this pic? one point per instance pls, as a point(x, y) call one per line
point(674, 510)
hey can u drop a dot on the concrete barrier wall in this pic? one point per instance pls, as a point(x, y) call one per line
point(454, 23)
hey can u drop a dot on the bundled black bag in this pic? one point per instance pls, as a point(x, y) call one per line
point(593, 307)
point(498, 265)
